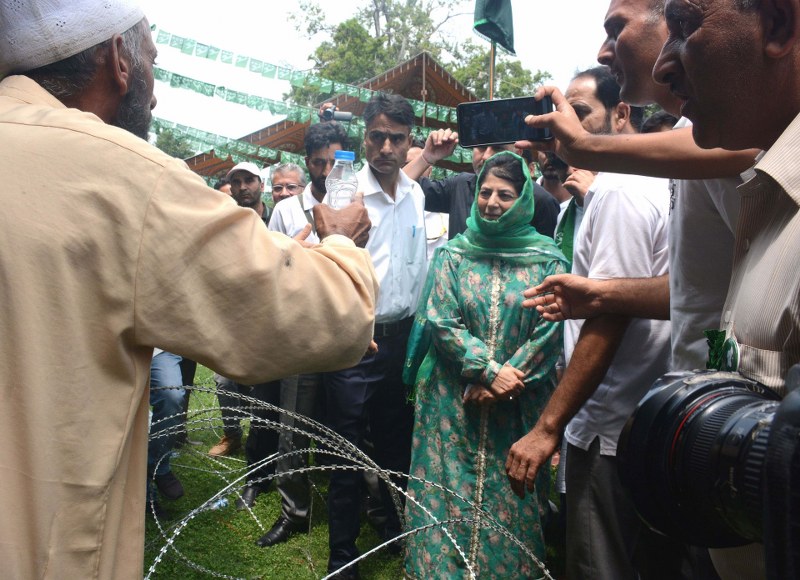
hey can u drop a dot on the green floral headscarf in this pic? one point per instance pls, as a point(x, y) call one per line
point(511, 235)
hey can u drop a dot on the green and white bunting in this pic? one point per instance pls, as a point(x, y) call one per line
point(297, 78)
point(239, 150)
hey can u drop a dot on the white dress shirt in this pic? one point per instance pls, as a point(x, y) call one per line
point(623, 235)
point(397, 244)
point(289, 218)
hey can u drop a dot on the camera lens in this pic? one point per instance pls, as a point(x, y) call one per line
point(692, 455)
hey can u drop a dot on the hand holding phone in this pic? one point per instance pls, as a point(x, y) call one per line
point(501, 121)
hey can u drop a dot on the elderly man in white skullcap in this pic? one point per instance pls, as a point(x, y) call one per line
point(130, 251)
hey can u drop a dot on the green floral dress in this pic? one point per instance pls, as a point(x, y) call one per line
point(476, 322)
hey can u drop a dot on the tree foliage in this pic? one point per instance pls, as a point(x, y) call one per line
point(408, 27)
point(173, 144)
point(471, 68)
point(351, 56)
point(384, 33)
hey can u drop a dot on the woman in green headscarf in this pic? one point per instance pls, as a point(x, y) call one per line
point(482, 368)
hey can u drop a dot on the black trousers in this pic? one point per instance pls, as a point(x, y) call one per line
point(262, 441)
point(370, 393)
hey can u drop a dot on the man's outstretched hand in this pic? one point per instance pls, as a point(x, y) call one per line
point(565, 296)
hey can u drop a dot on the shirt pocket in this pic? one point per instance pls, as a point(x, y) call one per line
point(768, 367)
point(415, 243)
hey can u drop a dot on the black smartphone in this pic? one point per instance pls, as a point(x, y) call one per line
point(501, 121)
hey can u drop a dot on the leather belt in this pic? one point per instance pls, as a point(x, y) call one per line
point(386, 329)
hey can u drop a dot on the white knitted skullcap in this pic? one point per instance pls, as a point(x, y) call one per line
point(35, 33)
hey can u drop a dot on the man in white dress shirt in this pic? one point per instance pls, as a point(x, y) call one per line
point(372, 392)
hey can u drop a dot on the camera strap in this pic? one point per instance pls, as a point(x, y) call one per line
point(308, 214)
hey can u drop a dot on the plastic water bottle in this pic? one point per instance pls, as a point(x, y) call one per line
point(219, 504)
point(341, 183)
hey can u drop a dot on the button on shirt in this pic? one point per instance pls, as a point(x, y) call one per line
point(289, 218)
point(397, 244)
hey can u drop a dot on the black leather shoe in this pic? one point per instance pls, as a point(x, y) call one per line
point(249, 495)
point(169, 486)
point(280, 531)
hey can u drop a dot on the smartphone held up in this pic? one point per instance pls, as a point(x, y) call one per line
point(501, 121)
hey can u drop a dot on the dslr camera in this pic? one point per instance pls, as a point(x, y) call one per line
point(713, 459)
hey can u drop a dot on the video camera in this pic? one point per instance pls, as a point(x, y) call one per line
point(334, 114)
point(713, 459)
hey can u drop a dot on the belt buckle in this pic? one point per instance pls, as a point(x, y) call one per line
point(386, 329)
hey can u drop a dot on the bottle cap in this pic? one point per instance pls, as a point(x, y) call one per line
point(345, 155)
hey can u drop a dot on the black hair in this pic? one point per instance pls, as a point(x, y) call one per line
point(417, 141)
point(607, 92)
point(504, 166)
point(395, 107)
point(658, 120)
point(222, 182)
point(322, 135)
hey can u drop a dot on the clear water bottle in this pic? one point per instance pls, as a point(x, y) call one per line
point(341, 183)
point(219, 504)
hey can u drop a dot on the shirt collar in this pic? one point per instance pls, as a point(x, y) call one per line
point(309, 200)
point(370, 185)
point(28, 91)
point(780, 161)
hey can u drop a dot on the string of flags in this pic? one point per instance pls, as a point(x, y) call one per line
point(296, 77)
point(240, 150)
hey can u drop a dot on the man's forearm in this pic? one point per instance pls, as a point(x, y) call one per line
point(636, 297)
point(414, 169)
point(598, 343)
point(671, 154)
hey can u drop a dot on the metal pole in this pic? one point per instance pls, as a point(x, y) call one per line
point(492, 53)
point(424, 89)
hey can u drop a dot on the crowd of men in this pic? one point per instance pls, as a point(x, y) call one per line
point(669, 234)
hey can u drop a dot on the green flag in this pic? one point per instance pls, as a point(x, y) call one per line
point(493, 20)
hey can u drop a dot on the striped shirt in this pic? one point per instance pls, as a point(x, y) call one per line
point(762, 310)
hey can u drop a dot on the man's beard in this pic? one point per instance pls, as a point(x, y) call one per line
point(319, 184)
point(134, 113)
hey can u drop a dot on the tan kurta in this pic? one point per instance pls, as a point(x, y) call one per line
point(109, 247)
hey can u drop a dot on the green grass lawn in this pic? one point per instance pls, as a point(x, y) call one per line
point(221, 543)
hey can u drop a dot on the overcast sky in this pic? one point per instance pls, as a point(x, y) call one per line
point(557, 36)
